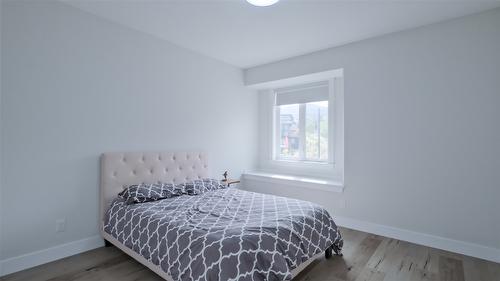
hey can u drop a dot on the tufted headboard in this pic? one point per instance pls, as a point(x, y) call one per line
point(120, 169)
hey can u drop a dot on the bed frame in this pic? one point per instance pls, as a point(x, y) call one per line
point(120, 169)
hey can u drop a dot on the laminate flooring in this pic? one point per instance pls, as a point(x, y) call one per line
point(367, 257)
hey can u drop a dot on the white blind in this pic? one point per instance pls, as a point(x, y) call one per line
point(302, 94)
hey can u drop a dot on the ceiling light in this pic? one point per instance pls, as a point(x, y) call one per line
point(262, 3)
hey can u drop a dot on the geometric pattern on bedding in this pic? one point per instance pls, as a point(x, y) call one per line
point(199, 186)
point(224, 234)
point(145, 192)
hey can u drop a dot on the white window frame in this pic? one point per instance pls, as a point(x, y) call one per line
point(302, 124)
point(334, 168)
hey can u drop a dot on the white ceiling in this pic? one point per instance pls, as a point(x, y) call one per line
point(243, 35)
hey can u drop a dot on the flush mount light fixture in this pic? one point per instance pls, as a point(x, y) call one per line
point(262, 3)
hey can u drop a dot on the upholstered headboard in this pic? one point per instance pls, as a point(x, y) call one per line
point(120, 169)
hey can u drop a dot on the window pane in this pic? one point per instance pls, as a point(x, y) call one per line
point(316, 148)
point(289, 131)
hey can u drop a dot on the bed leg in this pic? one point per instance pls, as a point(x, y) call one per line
point(107, 244)
point(328, 253)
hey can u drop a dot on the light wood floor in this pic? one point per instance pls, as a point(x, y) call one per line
point(367, 257)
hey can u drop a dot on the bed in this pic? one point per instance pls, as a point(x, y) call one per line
point(223, 234)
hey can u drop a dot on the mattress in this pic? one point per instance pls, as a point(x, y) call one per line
point(225, 234)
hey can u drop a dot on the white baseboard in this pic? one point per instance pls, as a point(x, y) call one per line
point(22, 262)
point(456, 246)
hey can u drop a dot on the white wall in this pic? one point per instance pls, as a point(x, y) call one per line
point(1, 178)
point(422, 129)
point(74, 86)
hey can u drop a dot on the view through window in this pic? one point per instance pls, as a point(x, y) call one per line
point(303, 131)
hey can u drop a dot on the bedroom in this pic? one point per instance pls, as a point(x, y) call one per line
point(384, 114)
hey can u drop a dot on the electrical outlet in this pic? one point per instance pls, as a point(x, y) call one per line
point(60, 225)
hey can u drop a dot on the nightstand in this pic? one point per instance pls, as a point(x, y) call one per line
point(228, 182)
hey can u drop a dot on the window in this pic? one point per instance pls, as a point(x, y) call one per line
point(302, 128)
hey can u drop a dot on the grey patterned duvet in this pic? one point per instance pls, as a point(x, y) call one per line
point(225, 234)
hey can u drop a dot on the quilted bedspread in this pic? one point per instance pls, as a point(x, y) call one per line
point(225, 234)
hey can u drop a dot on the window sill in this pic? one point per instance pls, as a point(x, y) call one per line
point(298, 181)
point(313, 170)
